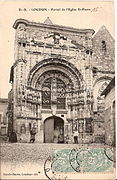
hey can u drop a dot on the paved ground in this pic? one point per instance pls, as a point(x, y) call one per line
point(29, 158)
point(21, 152)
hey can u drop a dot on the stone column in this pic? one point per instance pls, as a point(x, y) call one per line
point(69, 113)
point(39, 112)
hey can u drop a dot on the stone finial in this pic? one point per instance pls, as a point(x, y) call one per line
point(48, 21)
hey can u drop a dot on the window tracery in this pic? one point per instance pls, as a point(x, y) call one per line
point(53, 91)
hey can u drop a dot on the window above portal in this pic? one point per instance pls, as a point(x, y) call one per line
point(53, 92)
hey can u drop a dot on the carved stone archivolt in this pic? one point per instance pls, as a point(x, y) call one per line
point(56, 64)
point(57, 84)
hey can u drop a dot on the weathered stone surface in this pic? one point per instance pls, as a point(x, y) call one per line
point(103, 55)
point(84, 64)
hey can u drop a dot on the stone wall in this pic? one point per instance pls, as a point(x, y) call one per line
point(103, 72)
point(110, 118)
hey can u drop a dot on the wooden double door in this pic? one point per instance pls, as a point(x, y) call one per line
point(51, 125)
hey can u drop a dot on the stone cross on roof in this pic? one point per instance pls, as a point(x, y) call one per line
point(48, 21)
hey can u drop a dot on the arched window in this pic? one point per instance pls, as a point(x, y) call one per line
point(103, 46)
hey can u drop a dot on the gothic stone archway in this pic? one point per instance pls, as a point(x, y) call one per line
point(58, 87)
point(53, 127)
point(55, 64)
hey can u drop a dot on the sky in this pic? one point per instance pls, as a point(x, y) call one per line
point(100, 13)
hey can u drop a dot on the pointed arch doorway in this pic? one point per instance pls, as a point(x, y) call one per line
point(54, 130)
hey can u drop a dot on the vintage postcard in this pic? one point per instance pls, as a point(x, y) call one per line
point(57, 90)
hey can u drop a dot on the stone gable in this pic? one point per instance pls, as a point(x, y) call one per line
point(103, 50)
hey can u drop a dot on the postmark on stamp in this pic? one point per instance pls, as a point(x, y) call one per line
point(79, 160)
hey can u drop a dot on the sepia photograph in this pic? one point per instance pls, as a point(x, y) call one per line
point(57, 90)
